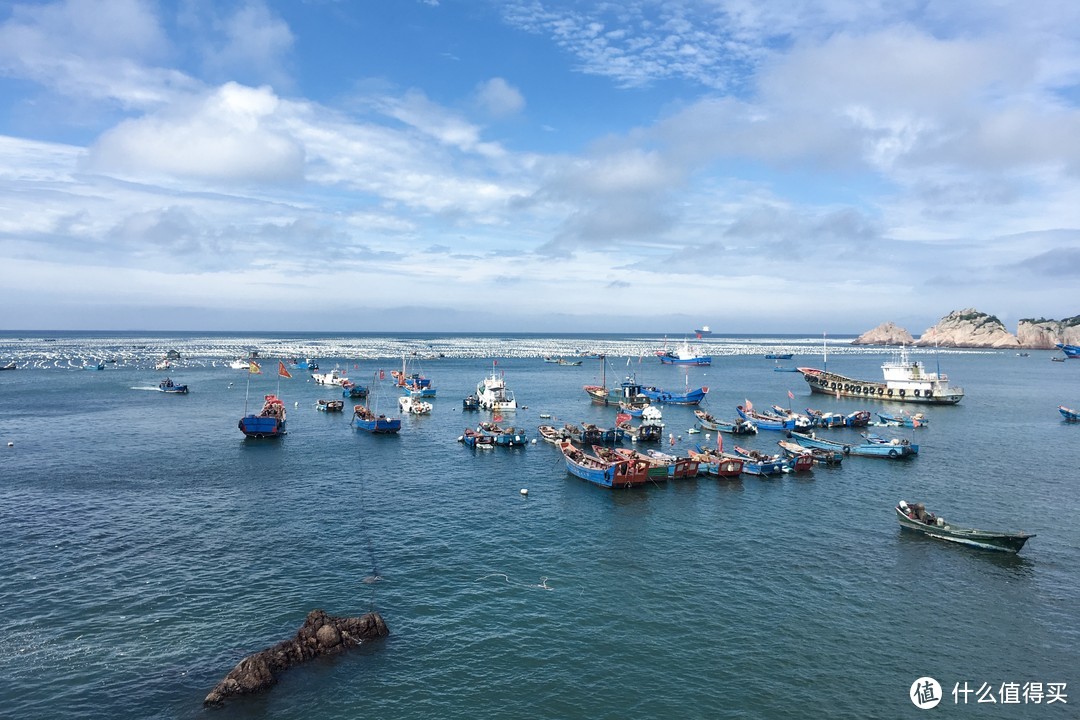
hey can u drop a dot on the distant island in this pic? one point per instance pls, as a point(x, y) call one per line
point(970, 328)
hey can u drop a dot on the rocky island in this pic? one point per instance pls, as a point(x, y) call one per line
point(970, 328)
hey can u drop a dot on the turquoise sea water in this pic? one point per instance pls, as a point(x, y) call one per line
point(148, 546)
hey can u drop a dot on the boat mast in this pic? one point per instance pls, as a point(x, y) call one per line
point(825, 352)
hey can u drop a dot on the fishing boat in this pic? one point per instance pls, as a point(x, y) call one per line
point(475, 439)
point(240, 364)
point(716, 464)
point(1057, 359)
point(162, 364)
point(10, 366)
point(349, 389)
point(268, 423)
point(765, 421)
point(802, 422)
point(168, 386)
point(810, 440)
point(893, 448)
point(820, 456)
point(903, 420)
point(592, 434)
point(552, 434)
point(1072, 352)
point(685, 355)
point(859, 418)
point(470, 402)
point(778, 356)
point(366, 419)
point(703, 331)
point(551, 360)
point(505, 437)
point(99, 366)
point(679, 468)
point(1069, 414)
point(305, 364)
point(651, 428)
point(628, 391)
point(330, 405)
point(334, 377)
point(690, 397)
point(493, 394)
point(567, 363)
point(620, 474)
point(414, 406)
point(821, 419)
point(759, 463)
point(906, 380)
point(916, 518)
point(413, 383)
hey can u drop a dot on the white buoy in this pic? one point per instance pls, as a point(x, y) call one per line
point(534, 441)
point(296, 404)
point(11, 444)
point(524, 491)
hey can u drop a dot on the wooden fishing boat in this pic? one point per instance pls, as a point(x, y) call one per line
point(759, 463)
point(716, 464)
point(10, 366)
point(591, 434)
point(470, 402)
point(651, 428)
point(820, 456)
point(657, 470)
point(810, 440)
point(802, 422)
point(903, 420)
point(330, 405)
point(679, 468)
point(622, 474)
point(859, 418)
point(765, 421)
point(821, 419)
point(350, 389)
point(552, 434)
point(504, 437)
point(367, 420)
point(892, 448)
point(472, 438)
point(778, 356)
point(1069, 414)
point(269, 422)
point(916, 518)
point(168, 386)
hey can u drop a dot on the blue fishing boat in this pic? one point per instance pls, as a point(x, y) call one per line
point(765, 421)
point(470, 402)
point(168, 386)
point(825, 419)
point(591, 434)
point(892, 448)
point(305, 364)
point(903, 420)
point(1069, 414)
point(620, 474)
point(504, 437)
point(1071, 351)
point(475, 439)
point(690, 397)
point(759, 463)
point(365, 419)
point(349, 389)
point(715, 463)
point(268, 423)
point(685, 356)
point(778, 356)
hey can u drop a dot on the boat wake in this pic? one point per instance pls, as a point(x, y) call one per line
point(154, 388)
point(542, 584)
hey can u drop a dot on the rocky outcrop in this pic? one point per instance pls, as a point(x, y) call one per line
point(968, 328)
point(320, 635)
point(887, 333)
point(1043, 334)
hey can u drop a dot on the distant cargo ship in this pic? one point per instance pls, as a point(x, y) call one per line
point(703, 331)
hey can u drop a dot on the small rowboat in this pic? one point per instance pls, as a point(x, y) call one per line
point(916, 518)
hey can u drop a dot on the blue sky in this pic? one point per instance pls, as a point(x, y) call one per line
point(533, 165)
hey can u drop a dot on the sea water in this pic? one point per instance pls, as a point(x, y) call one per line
point(148, 546)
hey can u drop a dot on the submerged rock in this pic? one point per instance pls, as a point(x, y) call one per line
point(320, 635)
point(968, 329)
point(887, 333)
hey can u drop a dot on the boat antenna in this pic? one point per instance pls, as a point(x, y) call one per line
point(937, 358)
point(824, 352)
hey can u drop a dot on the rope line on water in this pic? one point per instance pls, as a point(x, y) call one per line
point(542, 584)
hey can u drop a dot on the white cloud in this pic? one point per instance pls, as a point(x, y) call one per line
point(229, 135)
point(498, 98)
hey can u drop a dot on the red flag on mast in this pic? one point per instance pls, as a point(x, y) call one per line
point(282, 371)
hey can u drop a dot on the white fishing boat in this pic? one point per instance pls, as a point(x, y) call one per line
point(494, 395)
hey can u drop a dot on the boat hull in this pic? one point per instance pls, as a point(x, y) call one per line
point(983, 539)
point(1069, 414)
point(258, 426)
point(1071, 351)
point(827, 383)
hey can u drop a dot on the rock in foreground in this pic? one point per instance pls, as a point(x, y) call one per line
point(887, 333)
point(320, 635)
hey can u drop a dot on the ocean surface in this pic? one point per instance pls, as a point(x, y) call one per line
point(147, 546)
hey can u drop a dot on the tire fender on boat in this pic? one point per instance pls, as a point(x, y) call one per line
point(928, 393)
point(902, 391)
point(847, 449)
point(890, 392)
point(893, 453)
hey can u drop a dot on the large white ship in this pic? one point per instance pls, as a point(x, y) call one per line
point(906, 380)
